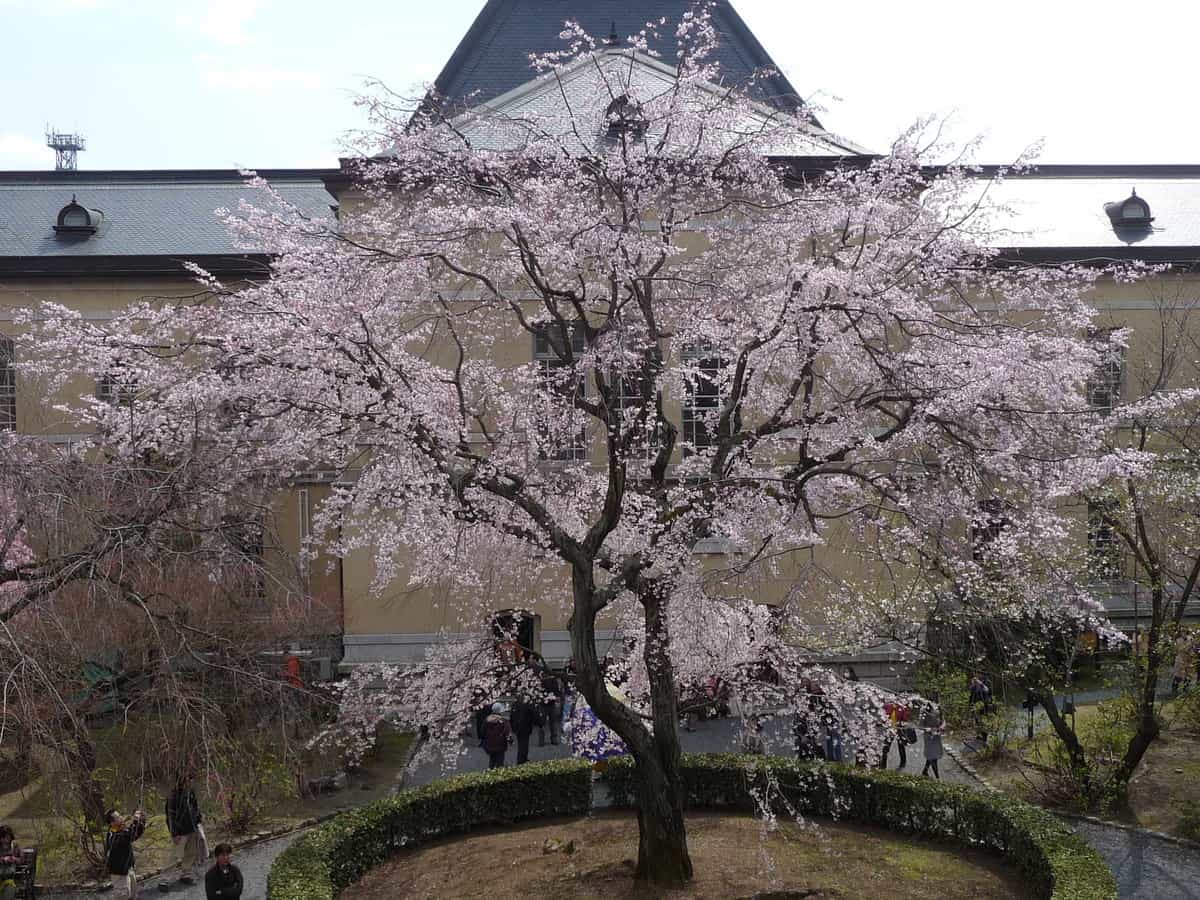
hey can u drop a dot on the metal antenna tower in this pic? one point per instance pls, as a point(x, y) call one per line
point(66, 149)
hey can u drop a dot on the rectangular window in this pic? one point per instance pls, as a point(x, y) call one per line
point(302, 502)
point(558, 389)
point(115, 389)
point(247, 544)
point(989, 524)
point(1104, 550)
point(629, 400)
point(1104, 386)
point(702, 399)
point(8, 385)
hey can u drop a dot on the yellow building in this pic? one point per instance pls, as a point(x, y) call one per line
point(99, 240)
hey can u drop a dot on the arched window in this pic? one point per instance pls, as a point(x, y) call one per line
point(1132, 212)
point(75, 218)
point(626, 118)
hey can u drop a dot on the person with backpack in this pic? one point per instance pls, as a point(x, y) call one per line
point(118, 847)
point(224, 880)
point(898, 729)
point(497, 735)
point(184, 821)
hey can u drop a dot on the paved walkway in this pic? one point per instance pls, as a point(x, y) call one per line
point(1147, 868)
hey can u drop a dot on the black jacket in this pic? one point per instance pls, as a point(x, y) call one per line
point(223, 884)
point(183, 813)
point(523, 719)
point(118, 847)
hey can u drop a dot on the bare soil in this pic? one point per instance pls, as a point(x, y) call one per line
point(731, 856)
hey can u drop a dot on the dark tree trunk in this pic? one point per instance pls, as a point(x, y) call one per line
point(81, 758)
point(1079, 761)
point(663, 858)
point(1146, 727)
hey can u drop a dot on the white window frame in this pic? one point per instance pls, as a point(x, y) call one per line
point(548, 362)
point(8, 384)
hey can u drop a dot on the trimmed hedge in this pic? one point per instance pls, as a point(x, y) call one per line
point(1057, 863)
point(325, 860)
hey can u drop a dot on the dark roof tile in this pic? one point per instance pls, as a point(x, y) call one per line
point(493, 57)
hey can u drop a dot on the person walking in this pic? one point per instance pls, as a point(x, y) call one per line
point(523, 716)
point(933, 726)
point(118, 847)
point(185, 823)
point(899, 730)
point(224, 880)
point(497, 735)
point(551, 718)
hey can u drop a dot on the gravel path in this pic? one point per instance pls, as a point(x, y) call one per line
point(255, 863)
point(1147, 868)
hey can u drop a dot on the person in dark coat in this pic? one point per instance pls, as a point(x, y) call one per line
point(551, 717)
point(497, 735)
point(224, 880)
point(118, 847)
point(482, 709)
point(523, 717)
point(184, 821)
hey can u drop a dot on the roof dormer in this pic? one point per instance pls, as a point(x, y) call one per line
point(75, 218)
point(1133, 212)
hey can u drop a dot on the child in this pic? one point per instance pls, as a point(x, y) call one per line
point(118, 846)
point(224, 879)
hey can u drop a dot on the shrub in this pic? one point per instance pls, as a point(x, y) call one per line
point(1189, 820)
point(338, 853)
point(249, 779)
point(1057, 863)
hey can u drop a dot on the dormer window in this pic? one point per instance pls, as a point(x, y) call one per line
point(1132, 212)
point(77, 219)
point(626, 118)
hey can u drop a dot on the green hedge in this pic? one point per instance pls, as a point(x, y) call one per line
point(331, 856)
point(1057, 863)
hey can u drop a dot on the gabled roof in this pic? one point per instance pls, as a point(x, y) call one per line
point(493, 58)
point(572, 105)
point(165, 215)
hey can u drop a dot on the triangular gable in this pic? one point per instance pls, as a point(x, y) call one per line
point(587, 84)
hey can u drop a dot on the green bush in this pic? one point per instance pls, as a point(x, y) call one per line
point(338, 853)
point(1057, 863)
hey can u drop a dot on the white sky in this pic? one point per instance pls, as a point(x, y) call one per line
point(269, 83)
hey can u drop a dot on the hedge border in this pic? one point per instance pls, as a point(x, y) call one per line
point(1056, 861)
point(336, 854)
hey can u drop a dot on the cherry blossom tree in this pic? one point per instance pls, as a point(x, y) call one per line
point(129, 594)
point(588, 346)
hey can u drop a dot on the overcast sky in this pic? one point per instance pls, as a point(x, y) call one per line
point(270, 83)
